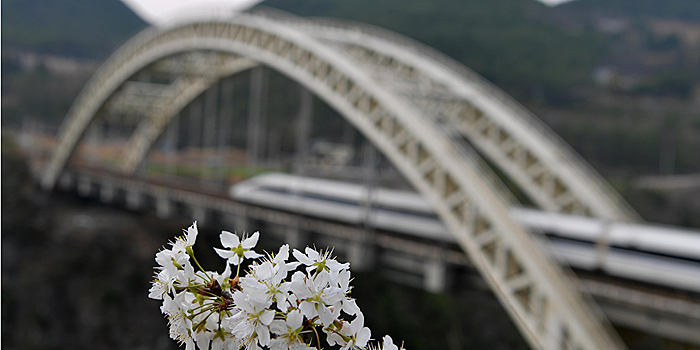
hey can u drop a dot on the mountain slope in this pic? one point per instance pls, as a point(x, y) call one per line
point(503, 40)
point(82, 28)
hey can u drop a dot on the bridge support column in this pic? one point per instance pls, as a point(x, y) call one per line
point(303, 130)
point(65, 182)
point(84, 187)
point(107, 193)
point(235, 223)
point(434, 276)
point(199, 214)
point(209, 125)
point(225, 126)
point(361, 256)
point(164, 207)
point(296, 237)
point(133, 200)
point(257, 115)
point(194, 134)
point(172, 141)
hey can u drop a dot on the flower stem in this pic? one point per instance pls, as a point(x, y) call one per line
point(191, 253)
point(318, 341)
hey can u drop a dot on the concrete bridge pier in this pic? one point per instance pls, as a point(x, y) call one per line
point(199, 214)
point(361, 255)
point(107, 193)
point(134, 200)
point(235, 223)
point(65, 182)
point(296, 238)
point(84, 187)
point(435, 276)
point(164, 207)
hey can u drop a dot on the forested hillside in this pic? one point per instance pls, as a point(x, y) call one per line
point(502, 40)
point(522, 45)
point(79, 28)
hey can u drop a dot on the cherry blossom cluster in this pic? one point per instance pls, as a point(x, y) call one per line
point(264, 308)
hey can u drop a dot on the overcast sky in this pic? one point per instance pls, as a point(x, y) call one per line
point(553, 2)
point(161, 12)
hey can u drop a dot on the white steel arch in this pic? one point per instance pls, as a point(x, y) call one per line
point(537, 295)
point(520, 144)
point(183, 92)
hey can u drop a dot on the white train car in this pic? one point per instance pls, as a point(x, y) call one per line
point(658, 255)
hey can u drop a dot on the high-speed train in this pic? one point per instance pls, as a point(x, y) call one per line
point(657, 255)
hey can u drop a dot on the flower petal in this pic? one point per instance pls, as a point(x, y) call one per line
point(325, 315)
point(389, 344)
point(350, 307)
point(191, 235)
point(263, 333)
point(229, 240)
point(313, 254)
point(235, 259)
point(267, 317)
point(282, 255)
point(250, 242)
point(362, 337)
point(250, 254)
point(357, 323)
point(227, 272)
point(224, 253)
point(302, 258)
point(295, 320)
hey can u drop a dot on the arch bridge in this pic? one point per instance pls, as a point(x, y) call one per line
point(441, 125)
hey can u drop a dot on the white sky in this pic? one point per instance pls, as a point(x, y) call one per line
point(553, 2)
point(162, 12)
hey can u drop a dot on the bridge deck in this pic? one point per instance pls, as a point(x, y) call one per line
point(651, 308)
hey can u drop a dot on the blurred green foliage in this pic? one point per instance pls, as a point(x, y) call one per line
point(77, 28)
point(501, 40)
point(687, 10)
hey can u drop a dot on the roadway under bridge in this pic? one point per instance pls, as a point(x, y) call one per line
point(449, 133)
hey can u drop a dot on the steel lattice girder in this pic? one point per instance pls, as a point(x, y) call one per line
point(537, 295)
point(184, 90)
point(532, 155)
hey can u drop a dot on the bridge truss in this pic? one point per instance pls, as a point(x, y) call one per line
point(421, 110)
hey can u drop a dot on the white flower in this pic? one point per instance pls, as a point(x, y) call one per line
point(316, 295)
point(229, 343)
point(209, 311)
point(186, 275)
point(238, 251)
point(288, 333)
point(275, 268)
point(342, 281)
point(387, 345)
point(319, 261)
point(182, 244)
point(277, 292)
point(205, 326)
point(223, 278)
point(350, 307)
point(203, 338)
point(251, 344)
point(351, 335)
point(180, 325)
point(163, 283)
point(171, 261)
point(253, 317)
